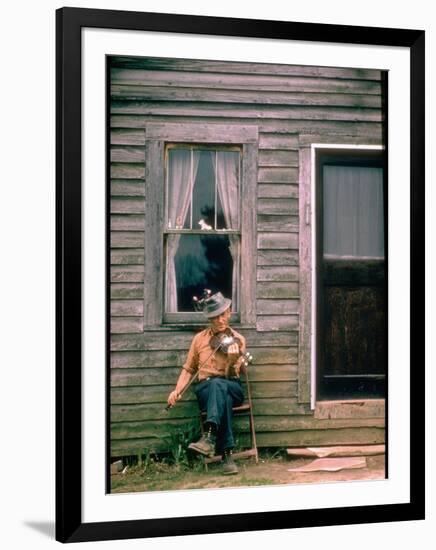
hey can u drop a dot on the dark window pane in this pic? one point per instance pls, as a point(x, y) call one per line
point(202, 261)
point(203, 196)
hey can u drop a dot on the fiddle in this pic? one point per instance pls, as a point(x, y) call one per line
point(222, 342)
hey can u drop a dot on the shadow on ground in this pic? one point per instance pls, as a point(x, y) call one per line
point(47, 528)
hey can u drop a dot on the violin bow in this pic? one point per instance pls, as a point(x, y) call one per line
point(193, 378)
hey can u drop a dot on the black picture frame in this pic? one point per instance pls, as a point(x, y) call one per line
point(69, 524)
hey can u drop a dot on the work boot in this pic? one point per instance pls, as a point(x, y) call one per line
point(205, 445)
point(229, 467)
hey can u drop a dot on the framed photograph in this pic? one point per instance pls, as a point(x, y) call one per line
point(240, 275)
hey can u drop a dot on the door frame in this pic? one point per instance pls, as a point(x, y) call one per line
point(315, 148)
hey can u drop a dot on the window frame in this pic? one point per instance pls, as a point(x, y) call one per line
point(158, 137)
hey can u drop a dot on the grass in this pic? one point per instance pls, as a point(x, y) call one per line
point(186, 471)
point(179, 468)
point(162, 473)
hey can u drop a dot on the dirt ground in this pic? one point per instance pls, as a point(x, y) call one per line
point(269, 471)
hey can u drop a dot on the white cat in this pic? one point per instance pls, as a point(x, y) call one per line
point(203, 225)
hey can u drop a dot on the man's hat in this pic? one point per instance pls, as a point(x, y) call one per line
point(215, 305)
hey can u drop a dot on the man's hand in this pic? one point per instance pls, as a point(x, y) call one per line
point(233, 352)
point(237, 368)
point(173, 398)
point(182, 382)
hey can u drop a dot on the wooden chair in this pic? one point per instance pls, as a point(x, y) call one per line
point(245, 408)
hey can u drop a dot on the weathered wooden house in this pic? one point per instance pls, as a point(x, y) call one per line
point(265, 182)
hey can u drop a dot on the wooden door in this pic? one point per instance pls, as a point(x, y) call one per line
point(352, 297)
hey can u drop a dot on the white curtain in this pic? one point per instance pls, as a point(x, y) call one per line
point(226, 165)
point(182, 169)
point(353, 211)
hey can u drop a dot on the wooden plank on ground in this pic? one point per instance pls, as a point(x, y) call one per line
point(331, 465)
point(338, 451)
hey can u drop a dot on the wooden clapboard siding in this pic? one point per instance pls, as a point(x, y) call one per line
point(301, 438)
point(127, 239)
point(131, 256)
point(170, 339)
point(159, 392)
point(344, 128)
point(277, 223)
point(126, 325)
point(277, 191)
point(127, 188)
point(188, 409)
point(127, 222)
point(127, 205)
point(276, 257)
point(243, 81)
point(127, 137)
point(277, 290)
point(135, 93)
point(126, 154)
point(158, 63)
point(264, 424)
point(127, 290)
point(206, 110)
point(291, 107)
point(127, 377)
point(127, 273)
point(171, 357)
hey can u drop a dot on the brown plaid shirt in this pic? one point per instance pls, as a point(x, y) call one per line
point(200, 350)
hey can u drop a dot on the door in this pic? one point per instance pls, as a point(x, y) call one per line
point(351, 282)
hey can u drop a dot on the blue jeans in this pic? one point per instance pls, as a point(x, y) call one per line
point(217, 396)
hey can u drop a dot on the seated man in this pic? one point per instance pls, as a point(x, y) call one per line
point(217, 391)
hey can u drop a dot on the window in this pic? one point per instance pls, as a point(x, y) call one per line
point(200, 220)
point(202, 224)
